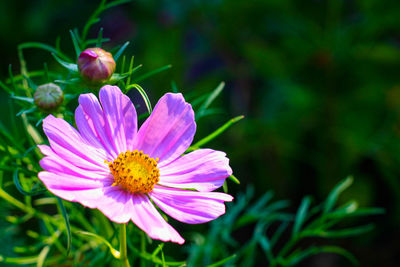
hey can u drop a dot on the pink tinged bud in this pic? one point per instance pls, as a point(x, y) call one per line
point(48, 96)
point(96, 65)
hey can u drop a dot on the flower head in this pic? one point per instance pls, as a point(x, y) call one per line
point(110, 165)
point(48, 96)
point(96, 65)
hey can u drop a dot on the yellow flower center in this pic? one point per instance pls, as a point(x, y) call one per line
point(135, 171)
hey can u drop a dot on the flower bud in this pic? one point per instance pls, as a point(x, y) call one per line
point(48, 96)
point(96, 65)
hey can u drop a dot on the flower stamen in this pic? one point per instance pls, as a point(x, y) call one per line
point(135, 171)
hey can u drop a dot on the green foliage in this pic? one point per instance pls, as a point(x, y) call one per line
point(67, 225)
point(202, 111)
point(271, 226)
point(120, 51)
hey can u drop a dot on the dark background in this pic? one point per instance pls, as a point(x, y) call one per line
point(318, 82)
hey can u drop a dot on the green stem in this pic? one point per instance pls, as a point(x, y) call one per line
point(4, 195)
point(122, 246)
point(92, 20)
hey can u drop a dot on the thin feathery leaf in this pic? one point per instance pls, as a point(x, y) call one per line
point(338, 189)
point(216, 133)
point(113, 251)
point(67, 225)
point(234, 179)
point(95, 41)
point(23, 98)
point(143, 94)
point(75, 43)
point(120, 51)
point(174, 87)
point(99, 37)
point(223, 261)
point(128, 81)
point(70, 66)
point(151, 73)
point(301, 215)
point(26, 111)
point(21, 190)
point(213, 95)
point(46, 47)
point(116, 3)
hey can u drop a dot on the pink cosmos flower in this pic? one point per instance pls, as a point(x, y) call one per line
point(110, 165)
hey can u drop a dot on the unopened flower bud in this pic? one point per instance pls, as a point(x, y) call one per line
point(48, 96)
point(96, 65)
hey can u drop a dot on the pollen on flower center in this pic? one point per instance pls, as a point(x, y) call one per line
point(135, 171)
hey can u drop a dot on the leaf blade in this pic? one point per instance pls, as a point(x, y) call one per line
point(67, 224)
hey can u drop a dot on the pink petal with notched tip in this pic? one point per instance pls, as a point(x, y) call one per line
point(121, 206)
point(169, 130)
point(112, 126)
point(46, 150)
point(70, 183)
point(68, 143)
point(203, 170)
point(91, 124)
point(190, 206)
point(147, 218)
point(77, 189)
point(56, 164)
point(119, 116)
point(86, 128)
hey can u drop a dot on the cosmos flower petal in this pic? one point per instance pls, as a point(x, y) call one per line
point(72, 188)
point(121, 206)
point(46, 150)
point(202, 169)
point(120, 117)
point(114, 204)
point(86, 128)
point(146, 217)
point(190, 206)
point(92, 124)
point(56, 164)
point(70, 184)
point(88, 197)
point(67, 142)
point(169, 130)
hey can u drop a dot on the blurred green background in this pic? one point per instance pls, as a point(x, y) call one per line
point(317, 80)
